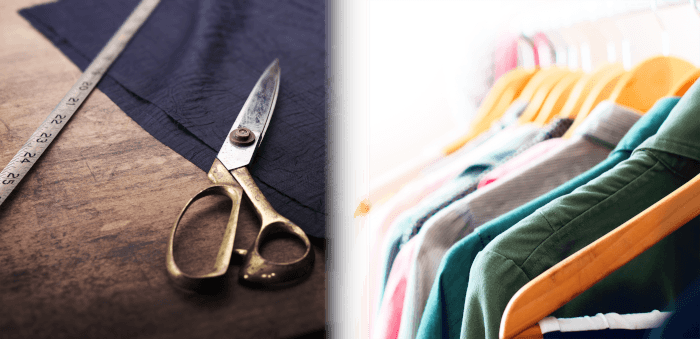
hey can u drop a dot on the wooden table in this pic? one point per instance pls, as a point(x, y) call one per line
point(82, 239)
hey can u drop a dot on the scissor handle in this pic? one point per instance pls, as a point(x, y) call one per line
point(223, 258)
point(256, 269)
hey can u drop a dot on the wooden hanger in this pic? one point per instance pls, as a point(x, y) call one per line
point(536, 98)
point(557, 98)
point(682, 86)
point(505, 90)
point(524, 93)
point(600, 92)
point(537, 81)
point(584, 87)
point(500, 97)
point(577, 273)
point(639, 88)
point(649, 81)
point(502, 94)
point(534, 332)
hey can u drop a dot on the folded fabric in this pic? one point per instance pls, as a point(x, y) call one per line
point(660, 165)
point(442, 317)
point(187, 72)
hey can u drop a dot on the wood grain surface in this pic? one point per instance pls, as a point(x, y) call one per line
point(82, 238)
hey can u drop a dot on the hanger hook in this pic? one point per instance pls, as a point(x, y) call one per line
point(523, 38)
point(695, 5)
point(664, 33)
point(654, 9)
point(552, 50)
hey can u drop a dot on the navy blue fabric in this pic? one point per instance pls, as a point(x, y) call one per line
point(186, 74)
point(600, 334)
point(685, 321)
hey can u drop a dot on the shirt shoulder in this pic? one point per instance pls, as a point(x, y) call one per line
point(597, 203)
point(492, 280)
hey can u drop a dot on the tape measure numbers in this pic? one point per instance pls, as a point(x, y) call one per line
point(40, 140)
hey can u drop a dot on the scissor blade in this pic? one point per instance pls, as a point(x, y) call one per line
point(255, 116)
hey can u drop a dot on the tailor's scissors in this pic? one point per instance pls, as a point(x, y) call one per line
point(231, 178)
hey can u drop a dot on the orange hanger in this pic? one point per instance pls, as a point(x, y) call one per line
point(501, 95)
point(577, 273)
point(534, 332)
point(584, 87)
point(536, 82)
point(514, 80)
point(536, 100)
point(649, 81)
point(600, 92)
point(510, 95)
point(682, 86)
point(556, 98)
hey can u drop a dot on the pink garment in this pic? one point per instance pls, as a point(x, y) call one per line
point(543, 49)
point(383, 218)
point(528, 156)
point(389, 315)
point(506, 53)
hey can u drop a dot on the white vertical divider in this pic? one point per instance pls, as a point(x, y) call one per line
point(348, 167)
point(360, 138)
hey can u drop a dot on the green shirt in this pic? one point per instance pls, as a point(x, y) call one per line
point(657, 167)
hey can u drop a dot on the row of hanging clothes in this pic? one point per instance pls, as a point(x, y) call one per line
point(569, 209)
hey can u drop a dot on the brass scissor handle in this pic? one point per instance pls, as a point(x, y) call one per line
point(255, 269)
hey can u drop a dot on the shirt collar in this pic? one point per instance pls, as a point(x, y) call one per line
point(508, 120)
point(510, 117)
point(680, 132)
point(648, 125)
point(608, 123)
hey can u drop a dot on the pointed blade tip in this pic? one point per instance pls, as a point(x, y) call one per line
point(275, 66)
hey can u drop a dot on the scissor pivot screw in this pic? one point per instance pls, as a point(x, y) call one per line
point(242, 136)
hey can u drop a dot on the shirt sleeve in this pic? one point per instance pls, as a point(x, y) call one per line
point(440, 318)
point(493, 279)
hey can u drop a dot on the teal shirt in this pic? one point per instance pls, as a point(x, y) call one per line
point(442, 317)
point(656, 168)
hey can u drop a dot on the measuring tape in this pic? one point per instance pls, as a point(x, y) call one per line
point(23, 161)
